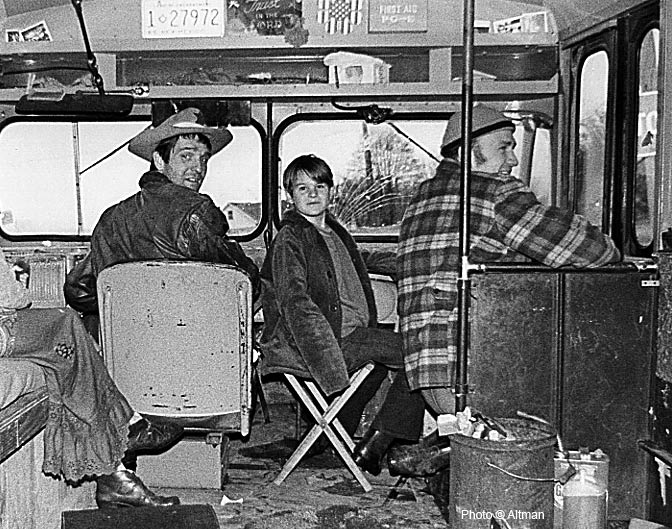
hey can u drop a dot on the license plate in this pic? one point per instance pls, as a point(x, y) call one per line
point(165, 19)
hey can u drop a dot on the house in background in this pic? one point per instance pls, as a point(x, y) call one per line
point(242, 216)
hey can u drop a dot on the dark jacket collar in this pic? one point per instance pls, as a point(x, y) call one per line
point(153, 178)
point(294, 218)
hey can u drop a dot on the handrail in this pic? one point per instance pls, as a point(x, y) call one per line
point(543, 269)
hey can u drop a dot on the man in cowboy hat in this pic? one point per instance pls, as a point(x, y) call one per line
point(507, 223)
point(168, 218)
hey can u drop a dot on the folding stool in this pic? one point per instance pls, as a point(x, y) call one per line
point(326, 423)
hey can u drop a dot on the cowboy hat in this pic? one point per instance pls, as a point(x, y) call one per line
point(187, 121)
point(484, 119)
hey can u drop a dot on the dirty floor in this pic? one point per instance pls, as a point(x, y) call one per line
point(319, 493)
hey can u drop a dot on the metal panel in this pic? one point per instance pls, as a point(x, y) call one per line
point(177, 337)
point(608, 366)
point(512, 355)
point(17, 7)
point(575, 347)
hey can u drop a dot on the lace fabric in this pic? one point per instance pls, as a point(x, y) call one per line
point(7, 322)
point(87, 428)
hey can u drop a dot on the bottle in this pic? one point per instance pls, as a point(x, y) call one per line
point(584, 502)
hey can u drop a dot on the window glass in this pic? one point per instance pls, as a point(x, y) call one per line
point(646, 137)
point(43, 162)
point(376, 167)
point(37, 184)
point(589, 174)
point(541, 182)
point(112, 179)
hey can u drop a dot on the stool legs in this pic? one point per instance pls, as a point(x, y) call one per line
point(326, 423)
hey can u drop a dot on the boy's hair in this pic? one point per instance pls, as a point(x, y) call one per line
point(315, 168)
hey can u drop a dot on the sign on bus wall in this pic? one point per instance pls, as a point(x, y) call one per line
point(391, 16)
point(263, 17)
point(172, 19)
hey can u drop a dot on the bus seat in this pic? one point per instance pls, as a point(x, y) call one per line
point(177, 340)
point(385, 294)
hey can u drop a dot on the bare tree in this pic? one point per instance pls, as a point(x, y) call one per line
point(381, 179)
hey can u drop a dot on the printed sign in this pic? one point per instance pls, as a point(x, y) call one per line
point(170, 19)
point(263, 17)
point(390, 16)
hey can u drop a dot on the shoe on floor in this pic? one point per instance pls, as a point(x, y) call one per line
point(419, 460)
point(124, 488)
point(146, 435)
point(370, 451)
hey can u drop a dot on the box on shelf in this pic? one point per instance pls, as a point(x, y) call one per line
point(355, 68)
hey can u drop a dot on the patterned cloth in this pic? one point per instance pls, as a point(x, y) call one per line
point(87, 429)
point(507, 224)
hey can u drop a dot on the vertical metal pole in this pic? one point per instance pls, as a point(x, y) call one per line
point(271, 193)
point(78, 176)
point(464, 282)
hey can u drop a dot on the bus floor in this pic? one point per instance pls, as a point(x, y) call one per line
point(319, 493)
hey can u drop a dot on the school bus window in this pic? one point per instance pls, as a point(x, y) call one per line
point(589, 179)
point(61, 176)
point(37, 188)
point(646, 137)
point(106, 181)
point(541, 182)
point(377, 168)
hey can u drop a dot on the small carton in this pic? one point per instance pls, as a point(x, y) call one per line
point(354, 68)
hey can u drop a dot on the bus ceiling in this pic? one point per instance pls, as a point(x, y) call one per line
point(45, 55)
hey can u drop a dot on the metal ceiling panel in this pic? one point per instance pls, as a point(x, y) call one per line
point(17, 7)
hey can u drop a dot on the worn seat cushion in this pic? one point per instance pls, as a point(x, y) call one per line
point(18, 377)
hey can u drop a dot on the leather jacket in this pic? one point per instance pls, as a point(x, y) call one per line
point(162, 221)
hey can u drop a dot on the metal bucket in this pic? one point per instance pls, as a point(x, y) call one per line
point(509, 481)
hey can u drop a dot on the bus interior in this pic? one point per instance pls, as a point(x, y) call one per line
point(367, 85)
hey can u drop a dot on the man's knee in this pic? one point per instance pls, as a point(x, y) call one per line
point(440, 400)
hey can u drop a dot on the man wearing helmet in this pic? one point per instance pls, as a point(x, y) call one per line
point(507, 224)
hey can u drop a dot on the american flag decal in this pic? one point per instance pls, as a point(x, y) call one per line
point(339, 15)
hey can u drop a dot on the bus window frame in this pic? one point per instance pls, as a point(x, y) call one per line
point(74, 238)
point(282, 126)
point(579, 53)
point(628, 108)
point(276, 177)
point(621, 41)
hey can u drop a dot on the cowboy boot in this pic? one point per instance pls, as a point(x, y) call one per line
point(124, 489)
point(146, 435)
point(369, 452)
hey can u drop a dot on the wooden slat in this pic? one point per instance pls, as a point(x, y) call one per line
point(33, 500)
point(21, 421)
